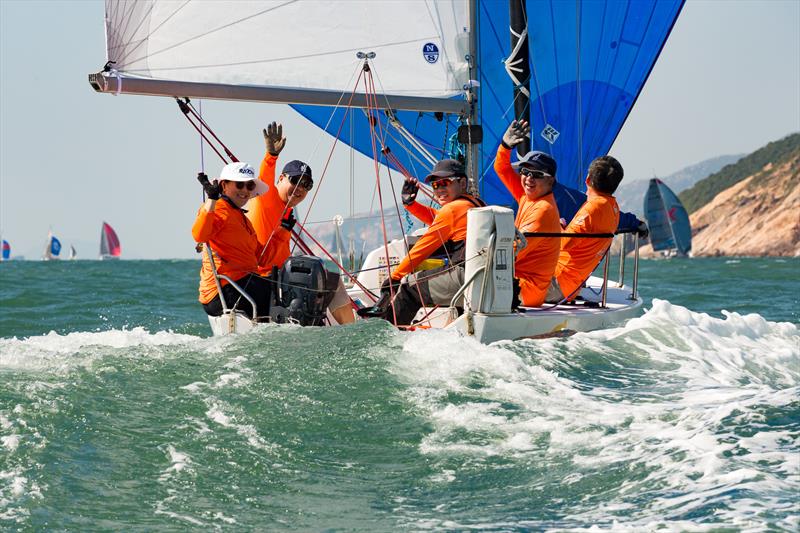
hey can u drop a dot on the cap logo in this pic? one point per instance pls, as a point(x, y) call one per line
point(303, 168)
point(247, 170)
point(430, 52)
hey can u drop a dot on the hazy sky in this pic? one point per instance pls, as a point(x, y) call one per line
point(728, 81)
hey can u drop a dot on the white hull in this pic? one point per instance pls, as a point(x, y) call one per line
point(487, 316)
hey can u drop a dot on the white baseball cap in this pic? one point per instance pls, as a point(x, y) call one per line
point(243, 172)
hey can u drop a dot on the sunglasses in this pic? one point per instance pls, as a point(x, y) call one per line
point(535, 174)
point(441, 183)
point(304, 182)
point(251, 184)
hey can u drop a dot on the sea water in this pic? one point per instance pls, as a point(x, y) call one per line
point(119, 412)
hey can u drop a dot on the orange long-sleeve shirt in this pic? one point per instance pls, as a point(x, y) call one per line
point(265, 213)
point(449, 224)
point(579, 257)
point(536, 263)
point(234, 242)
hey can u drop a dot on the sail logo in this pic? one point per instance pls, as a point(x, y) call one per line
point(430, 52)
point(550, 134)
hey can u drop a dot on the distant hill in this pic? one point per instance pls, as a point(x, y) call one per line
point(705, 190)
point(630, 195)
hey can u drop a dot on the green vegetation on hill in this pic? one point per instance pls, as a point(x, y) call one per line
point(705, 190)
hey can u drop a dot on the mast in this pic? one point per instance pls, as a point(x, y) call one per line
point(474, 134)
point(518, 64)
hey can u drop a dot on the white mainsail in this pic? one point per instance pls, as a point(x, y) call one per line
point(226, 42)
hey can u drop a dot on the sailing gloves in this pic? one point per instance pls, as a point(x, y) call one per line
point(289, 222)
point(642, 230)
point(274, 139)
point(409, 192)
point(213, 190)
point(517, 132)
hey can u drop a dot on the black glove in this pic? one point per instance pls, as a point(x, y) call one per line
point(516, 133)
point(409, 192)
point(390, 286)
point(213, 190)
point(274, 139)
point(642, 230)
point(289, 222)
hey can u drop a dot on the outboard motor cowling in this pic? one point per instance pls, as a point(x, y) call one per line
point(305, 289)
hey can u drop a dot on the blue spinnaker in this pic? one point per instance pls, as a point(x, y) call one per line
point(667, 219)
point(55, 246)
point(6, 250)
point(589, 61)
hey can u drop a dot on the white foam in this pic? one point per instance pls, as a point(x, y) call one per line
point(10, 442)
point(702, 376)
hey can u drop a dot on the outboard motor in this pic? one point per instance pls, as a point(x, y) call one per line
point(306, 289)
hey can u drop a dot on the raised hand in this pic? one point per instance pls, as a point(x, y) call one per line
point(517, 132)
point(274, 139)
point(410, 190)
point(213, 190)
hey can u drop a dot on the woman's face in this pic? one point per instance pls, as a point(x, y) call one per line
point(238, 196)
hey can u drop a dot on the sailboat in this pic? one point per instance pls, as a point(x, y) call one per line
point(6, 254)
point(51, 248)
point(109, 243)
point(670, 230)
point(72, 253)
point(409, 84)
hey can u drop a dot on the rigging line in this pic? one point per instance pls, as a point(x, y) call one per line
point(191, 108)
point(380, 200)
point(441, 240)
point(333, 148)
point(344, 270)
point(233, 23)
point(203, 135)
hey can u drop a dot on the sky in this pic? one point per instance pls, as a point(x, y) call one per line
point(727, 82)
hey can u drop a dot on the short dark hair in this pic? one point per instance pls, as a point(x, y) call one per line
point(605, 174)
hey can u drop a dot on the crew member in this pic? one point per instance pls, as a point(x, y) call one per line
point(599, 214)
point(532, 188)
point(448, 229)
point(272, 214)
point(221, 222)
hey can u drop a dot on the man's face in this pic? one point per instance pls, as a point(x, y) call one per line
point(293, 193)
point(535, 182)
point(445, 190)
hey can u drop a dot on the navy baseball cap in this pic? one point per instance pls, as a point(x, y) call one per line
point(536, 160)
point(446, 168)
point(296, 168)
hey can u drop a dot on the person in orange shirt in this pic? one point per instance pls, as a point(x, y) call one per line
point(599, 214)
point(532, 188)
point(272, 214)
point(221, 222)
point(407, 292)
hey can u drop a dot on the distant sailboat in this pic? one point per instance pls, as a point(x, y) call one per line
point(52, 248)
point(670, 231)
point(72, 252)
point(6, 255)
point(109, 243)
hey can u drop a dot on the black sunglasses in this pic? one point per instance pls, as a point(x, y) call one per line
point(304, 181)
point(251, 184)
point(535, 174)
